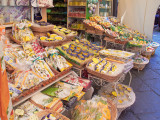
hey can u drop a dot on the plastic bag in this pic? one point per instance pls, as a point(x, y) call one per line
point(95, 109)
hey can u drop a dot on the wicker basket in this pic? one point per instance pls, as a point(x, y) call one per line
point(16, 41)
point(123, 42)
point(88, 26)
point(99, 32)
point(104, 76)
point(113, 109)
point(39, 34)
point(56, 114)
point(108, 88)
point(90, 31)
point(108, 35)
point(109, 39)
point(54, 43)
point(140, 66)
point(42, 29)
point(9, 68)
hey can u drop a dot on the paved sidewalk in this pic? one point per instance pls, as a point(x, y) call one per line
point(146, 85)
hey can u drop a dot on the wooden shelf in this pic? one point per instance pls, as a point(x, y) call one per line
point(77, 5)
point(76, 29)
point(75, 17)
point(41, 89)
point(57, 13)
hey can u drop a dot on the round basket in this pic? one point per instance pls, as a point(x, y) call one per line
point(53, 43)
point(109, 88)
point(39, 34)
point(140, 66)
point(16, 41)
point(42, 29)
point(56, 114)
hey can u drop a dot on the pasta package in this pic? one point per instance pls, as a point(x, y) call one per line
point(27, 79)
point(42, 69)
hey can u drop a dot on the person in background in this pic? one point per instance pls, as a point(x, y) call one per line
point(157, 18)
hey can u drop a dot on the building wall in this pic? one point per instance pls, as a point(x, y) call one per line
point(139, 14)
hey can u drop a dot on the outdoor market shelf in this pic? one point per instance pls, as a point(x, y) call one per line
point(41, 89)
point(75, 17)
point(57, 13)
point(77, 5)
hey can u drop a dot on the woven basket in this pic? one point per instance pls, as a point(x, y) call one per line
point(56, 114)
point(9, 68)
point(99, 32)
point(124, 42)
point(42, 29)
point(113, 109)
point(88, 26)
point(119, 106)
point(54, 43)
point(16, 41)
point(90, 31)
point(108, 35)
point(104, 76)
point(39, 34)
point(140, 66)
point(109, 39)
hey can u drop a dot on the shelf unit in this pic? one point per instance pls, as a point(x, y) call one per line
point(106, 11)
point(58, 15)
point(76, 12)
point(41, 89)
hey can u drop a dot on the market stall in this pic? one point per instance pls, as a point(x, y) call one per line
point(52, 71)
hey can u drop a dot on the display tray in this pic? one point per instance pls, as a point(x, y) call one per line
point(41, 86)
point(116, 57)
point(74, 62)
point(103, 76)
point(106, 77)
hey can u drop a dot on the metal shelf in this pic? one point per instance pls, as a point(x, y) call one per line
point(29, 96)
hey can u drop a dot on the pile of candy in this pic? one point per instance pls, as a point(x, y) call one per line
point(52, 37)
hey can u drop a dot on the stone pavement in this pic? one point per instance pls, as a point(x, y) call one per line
point(146, 85)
